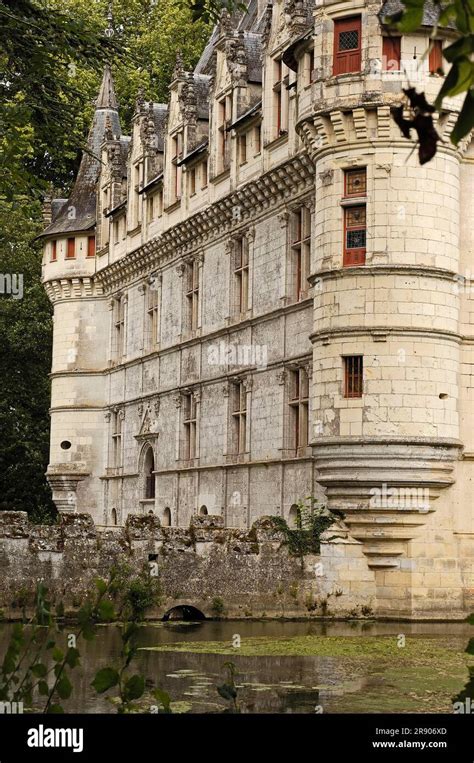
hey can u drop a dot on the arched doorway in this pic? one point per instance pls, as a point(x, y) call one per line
point(166, 518)
point(203, 512)
point(294, 519)
point(149, 468)
point(114, 516)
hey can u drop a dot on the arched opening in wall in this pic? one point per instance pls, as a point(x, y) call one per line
point(203, 512)
point(184, 612)
point(294, 518)
point(166, 518)
point(149, 468)
point(114, 517)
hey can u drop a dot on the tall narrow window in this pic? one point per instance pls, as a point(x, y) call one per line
point(119, 327)
point(436, 56)
point(204, 174)
point(391, 54)
point(192, 294)
point(257, 139)
point(54, 251)
point(353, 376)
point(299, 394)
point(153, 317)
point(149, 465)
point(307, 63)
point(176, 155)
point(241, 273)
point(347, 45)
point(117, 438)
point(301, 251)
point(71, 248)
point(355, 234)
point(189, 422)
point(91, 246)
point(225, 118)
point(243, 148)
point(355, 225)
point(239, 417)
point(280, 97)
point(192, 181)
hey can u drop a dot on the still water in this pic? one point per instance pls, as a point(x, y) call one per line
point(284, 666)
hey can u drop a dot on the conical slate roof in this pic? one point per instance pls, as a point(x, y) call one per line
point(79, 212)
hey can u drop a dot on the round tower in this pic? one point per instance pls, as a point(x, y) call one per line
point(80, 328)
point(386, 337)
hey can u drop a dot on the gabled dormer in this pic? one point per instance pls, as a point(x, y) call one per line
point(283, 24)
point(236, 88)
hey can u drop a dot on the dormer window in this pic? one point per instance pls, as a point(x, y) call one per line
point(176, 155)
point(225, 118)
point(280, 97)
point(347, 45)
point(204, 174)
point(243, 148)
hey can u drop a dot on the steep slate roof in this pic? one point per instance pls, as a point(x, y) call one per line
point(253, 52)
point(82, 201)
point(160, 111)
point(201, 88)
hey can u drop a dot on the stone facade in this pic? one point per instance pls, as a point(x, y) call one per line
point(248, 572)
point(206, 316)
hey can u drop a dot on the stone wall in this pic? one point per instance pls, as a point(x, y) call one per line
point(250, 572)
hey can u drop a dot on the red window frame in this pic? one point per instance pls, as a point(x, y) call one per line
point(436, 56)
point(391, 54)
point(91, 246)
point(362, 173)
point(54, 250)
point(71, 249)
point(353, 376)
point(347, 61)
point(354, 255)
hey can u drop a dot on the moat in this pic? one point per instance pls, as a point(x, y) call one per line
point(286, 666)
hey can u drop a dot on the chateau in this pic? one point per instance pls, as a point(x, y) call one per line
point(260, 295)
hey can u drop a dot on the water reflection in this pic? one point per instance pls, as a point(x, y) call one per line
point(267, 684)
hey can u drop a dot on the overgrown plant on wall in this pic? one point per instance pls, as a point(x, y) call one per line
point(312, 520)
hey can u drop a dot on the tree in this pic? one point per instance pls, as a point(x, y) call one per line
point(459, 15)
point(52, 53)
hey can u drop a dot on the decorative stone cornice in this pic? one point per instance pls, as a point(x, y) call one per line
point(275, 186)
point(76, 287)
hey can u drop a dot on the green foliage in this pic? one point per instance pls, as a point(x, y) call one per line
point(312, 521)
point(34, 661)
point(52, 54)
point(460, 79)
point(218, 606)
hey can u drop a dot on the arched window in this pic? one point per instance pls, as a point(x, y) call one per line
point(114, 517)
point(149, 468)
point(294, 517)
point(203, 511)
point(166, 519)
